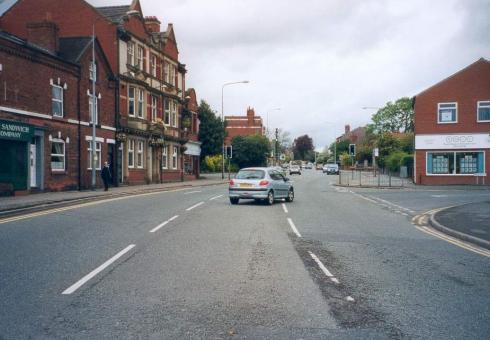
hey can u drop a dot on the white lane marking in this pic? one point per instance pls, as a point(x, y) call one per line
point(293, 227)
point(215, 197)
point(438, 196)
point(194, 206)
point(163, 224)
point(284, 208)
point(323, 268)
point(90, 275)
point(350, 298)
point(393, 204)
point(191, 192)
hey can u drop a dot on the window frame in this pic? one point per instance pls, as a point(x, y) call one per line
point(140, 107)
point(153, 108)
point(438, 113)
point(132, 100)
point(98, 154)
point(53, 100)
point(165, 154)
point(140, 152)
point(93, 71)
point(90, 108)
point(153, 64)
point(62, 142)
point(131, 152)
point(130, 53)
point(478, 106)
point(173, 114)
point(175, 154)
point(454, 160)
point(166, 112)
point(140, 58)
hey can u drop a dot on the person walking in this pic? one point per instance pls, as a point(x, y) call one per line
point(106, 176)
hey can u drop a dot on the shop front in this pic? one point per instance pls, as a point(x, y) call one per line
point(20, 155)
point(452, 159)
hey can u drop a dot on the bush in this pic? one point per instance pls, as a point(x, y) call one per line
point(393, 160)
point(407, 160)
point(211, 164)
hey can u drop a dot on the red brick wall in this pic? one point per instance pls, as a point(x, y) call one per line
point(466, 88)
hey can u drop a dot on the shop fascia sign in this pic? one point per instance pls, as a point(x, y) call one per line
point(16, 131)
point(453, 141)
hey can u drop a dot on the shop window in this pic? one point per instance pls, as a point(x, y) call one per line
point(139, 159)
point(484, 111)
point(57, 100)
point(130, 153)
point(131, 92)
point(174, 157)
point(165, 157)
point(455, 163)
point(58, 155)
point(447, 113)
point(97, 155)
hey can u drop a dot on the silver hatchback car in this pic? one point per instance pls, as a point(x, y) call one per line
point(260, 184)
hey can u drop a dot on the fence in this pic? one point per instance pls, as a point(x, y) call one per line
point(359, 178)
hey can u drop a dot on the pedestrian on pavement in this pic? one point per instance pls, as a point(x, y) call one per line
point(106, 176)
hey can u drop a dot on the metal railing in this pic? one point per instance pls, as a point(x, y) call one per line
point(360, 178)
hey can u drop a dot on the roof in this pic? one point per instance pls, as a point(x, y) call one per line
point(72, 49)
point(25, 43)
point(114, 13)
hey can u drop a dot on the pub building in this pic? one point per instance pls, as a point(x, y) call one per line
point(452, 129)
point(45, 111)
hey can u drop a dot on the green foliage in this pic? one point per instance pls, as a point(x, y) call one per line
point(394, 160)
point(250, 151)
point(211, 131)
point(345, 159)
point(303, 148)
point(387, 144)
point(212, 163)
point(364, 152)
point(394, 117)
point(407, 160)
point(407, 143)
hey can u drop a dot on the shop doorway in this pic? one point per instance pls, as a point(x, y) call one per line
point(33, 164)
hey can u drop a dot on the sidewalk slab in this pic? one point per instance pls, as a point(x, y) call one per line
point(470, 222)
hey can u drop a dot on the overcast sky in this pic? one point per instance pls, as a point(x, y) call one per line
point(320, 61)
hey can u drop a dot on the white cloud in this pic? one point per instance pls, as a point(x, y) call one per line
point(319, 60)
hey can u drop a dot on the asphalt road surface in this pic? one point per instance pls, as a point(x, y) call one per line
point(336, 263)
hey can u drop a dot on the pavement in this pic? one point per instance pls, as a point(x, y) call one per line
point(17, 204)
point(469, 222)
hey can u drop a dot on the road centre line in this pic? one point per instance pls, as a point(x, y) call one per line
point(191, 192)
point(73, 288)
point(81, 205)
point(284, 208)
point(293, 227)
point(194, 206)
point(322, 267)
point(163, 224)
point(215, 197)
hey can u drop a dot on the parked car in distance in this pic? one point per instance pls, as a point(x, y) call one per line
point(294, 169)
point(260, 184)
point(319, 166)
point(309, 166)
point(331, 168)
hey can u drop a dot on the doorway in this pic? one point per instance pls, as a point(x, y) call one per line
point(33, 163)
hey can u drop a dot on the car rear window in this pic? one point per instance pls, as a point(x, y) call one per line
point(250, 174)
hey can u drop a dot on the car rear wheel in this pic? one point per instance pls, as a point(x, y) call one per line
point(234, 200)
point(290, 197)
point(270, 198)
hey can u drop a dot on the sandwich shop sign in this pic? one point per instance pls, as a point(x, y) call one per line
point(16, 131)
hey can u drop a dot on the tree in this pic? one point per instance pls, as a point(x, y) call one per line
point(303, 148)
point(387, 144)
point(211, 132)
point(394, 117)
point(250, 150)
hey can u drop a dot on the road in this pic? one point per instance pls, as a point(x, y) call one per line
point(336, 263)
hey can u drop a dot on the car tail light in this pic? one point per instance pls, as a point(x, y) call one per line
point(263, 183)
point(232, 183)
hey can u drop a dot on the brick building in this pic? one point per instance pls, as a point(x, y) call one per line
point(190, 123)
point(354, 136)
point(452, 128)
point(150, 80)
point(46, 122)
point(243, 125)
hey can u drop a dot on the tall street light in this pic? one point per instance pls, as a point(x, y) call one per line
point(223, 122)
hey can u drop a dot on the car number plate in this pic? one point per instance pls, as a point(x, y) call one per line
point(245, 185)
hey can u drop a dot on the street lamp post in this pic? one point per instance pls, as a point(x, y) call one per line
point(223, 122)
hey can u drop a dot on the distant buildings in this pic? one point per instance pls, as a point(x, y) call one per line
point(247, 125)
point(452, 128)
point(354, 136)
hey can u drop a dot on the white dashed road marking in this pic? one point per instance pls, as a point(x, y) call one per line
point(323, 268)
point(215, 197)
point(194, 206)
point(90, 275)
point(284, 208)
point(293, 227)
point(163, 224)
point(191, 192)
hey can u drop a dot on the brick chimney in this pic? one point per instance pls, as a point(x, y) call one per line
point(152, 24)
point(250, 116)
point(44, 34)
point(347, 129)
